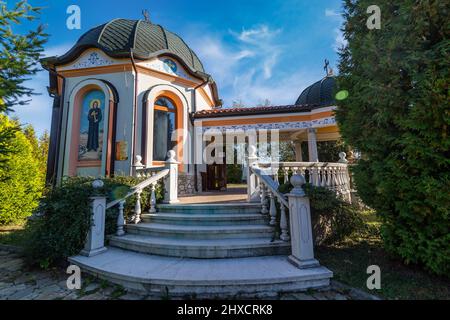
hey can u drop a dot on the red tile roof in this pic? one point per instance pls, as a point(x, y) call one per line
point(223, 112)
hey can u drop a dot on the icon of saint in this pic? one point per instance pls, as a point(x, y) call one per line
point(94, 118)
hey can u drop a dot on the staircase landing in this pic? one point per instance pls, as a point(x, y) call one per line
point(233, 194)
point(204, 278)
point(210, 245)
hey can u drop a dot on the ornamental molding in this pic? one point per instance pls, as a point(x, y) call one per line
point(90, 59)
point(324, 122)
point(168, 66)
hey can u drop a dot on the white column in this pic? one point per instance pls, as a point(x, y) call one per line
point(312, 145)
point(95, 240)
point(298, 151)
point(252, 183)
point(171, 181)
point(300, 226)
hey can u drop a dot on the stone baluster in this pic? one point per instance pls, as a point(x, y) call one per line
point(275, 175)
point(136, 166)
point(171, 181)
point(323, 176)
point(264, 210)
point(152, 198)
point(272, 209)
point(286, 174)
point(330, 177)
point(137, 207)
point(338, 180)
point(300, 226)
point(120, 219)
point(252, 179)
point(314, 176)
point(283, 224)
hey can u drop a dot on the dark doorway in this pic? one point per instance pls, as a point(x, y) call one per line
point(216, 177)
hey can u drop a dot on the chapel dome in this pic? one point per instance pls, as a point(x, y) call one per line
point(320, 93)
point(117, 37)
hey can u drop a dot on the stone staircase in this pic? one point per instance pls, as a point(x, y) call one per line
point(202, 249)
point(203, 231)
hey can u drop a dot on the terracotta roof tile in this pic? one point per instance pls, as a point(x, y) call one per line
point(223, 112)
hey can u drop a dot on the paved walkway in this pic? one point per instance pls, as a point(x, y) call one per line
point(233, 194)
point(18, 282)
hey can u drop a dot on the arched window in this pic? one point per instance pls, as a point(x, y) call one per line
point(164, 121)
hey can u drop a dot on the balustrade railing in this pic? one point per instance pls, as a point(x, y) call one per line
point(264, 180)
point(270, 195)
point(152, 175)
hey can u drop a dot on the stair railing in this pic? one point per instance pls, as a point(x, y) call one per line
point(270, 195)
point(95, 240)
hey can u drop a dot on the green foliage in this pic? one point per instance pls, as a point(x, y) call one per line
point(328, 151)
point(397, 115)
point(39, 147)
point(21, 182)
point(234, 173)
point(65, 214)
point(333, 219)
point(19, 54)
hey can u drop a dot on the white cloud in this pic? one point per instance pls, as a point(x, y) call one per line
point(331, 13)
point(56, 50)
point(339, 40)
point(256, 35)
point(247, 69)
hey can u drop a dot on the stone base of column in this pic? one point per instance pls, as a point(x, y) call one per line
point(94, 252)
point(303, 264)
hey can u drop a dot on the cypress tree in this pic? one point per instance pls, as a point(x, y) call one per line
point(397, 114)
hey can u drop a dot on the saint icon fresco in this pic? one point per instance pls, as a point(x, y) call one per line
point(91, 126)
point(94, 118)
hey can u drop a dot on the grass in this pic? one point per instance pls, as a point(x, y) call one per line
point(350, 259)
point(12, 235)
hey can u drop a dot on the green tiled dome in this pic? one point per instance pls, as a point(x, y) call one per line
point(319, 94)
point(117, 37)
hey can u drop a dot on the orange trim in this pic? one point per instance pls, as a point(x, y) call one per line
point(228, 122)
point(60, 85)
point(163, 108)
point(158, 163)
point(330, 129)
point(74, 163)
point(179, 116)
point(165, 76)
point(75, 134)
point(205, 96)
point(128, 67)
point(97, 70)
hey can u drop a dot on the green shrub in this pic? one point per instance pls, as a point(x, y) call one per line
point(234, 173)
point(397, 115)
point(332, 218)
point(21, 181)
point(65, 216)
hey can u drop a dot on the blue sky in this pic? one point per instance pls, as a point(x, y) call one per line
point(255, 50)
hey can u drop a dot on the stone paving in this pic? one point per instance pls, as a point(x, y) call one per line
point(18, 282)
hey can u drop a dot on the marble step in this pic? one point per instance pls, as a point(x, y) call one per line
point(206, 219)
point(200, 231)
point(201, 248)
point(255, 277)
point(210, 208)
